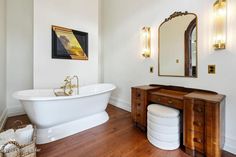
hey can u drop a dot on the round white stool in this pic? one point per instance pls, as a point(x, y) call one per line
point(163, 127)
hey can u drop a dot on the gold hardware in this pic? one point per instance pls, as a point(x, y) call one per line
point(146, 42)
point(68, 86)
point(170, 102)
point(211, 69)
point(198, 123)
point(151, 69)
point(198, 140)
point(219, 46)
point(146, 54)
point(199, 109)
point(220, 24)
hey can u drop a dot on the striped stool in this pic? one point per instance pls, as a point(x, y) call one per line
point(163, 127)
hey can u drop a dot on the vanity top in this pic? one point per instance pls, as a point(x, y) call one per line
point(206, 96)
point(182, 92)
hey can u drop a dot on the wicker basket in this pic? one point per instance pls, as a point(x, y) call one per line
point(28, 150)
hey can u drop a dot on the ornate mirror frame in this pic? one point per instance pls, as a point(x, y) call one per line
point(177, 14)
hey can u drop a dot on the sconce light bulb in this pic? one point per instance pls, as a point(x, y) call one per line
point(220, 24)
point(146, 42)
point(221, 12)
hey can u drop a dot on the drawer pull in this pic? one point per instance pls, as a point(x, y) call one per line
point(138, 95)
point(170, 102)
point(139, 104)
point(198, 140)
point(138, 115)
point(199, 109)
point(198, 123)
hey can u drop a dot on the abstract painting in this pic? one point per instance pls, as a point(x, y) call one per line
point(69, 44)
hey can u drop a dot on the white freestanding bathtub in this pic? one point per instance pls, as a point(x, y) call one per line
point(59, 117)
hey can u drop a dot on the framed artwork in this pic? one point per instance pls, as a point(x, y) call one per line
point(69, 44)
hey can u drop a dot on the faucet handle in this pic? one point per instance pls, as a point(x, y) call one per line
point(67, 78)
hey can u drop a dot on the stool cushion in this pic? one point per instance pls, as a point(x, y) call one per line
point(163, 111)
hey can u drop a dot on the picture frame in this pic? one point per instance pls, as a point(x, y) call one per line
point(69, 44)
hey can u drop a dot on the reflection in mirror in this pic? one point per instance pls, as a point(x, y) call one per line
point(178, 45)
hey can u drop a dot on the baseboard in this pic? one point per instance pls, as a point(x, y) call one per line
point(3, 118)
point(230, 145)
point(120, 104)
point(15, 111)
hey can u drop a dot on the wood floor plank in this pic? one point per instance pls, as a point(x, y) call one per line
point(116, 138)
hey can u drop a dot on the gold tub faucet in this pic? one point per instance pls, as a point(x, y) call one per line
point(68, 86)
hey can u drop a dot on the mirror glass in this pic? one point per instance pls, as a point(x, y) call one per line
point(178, 45)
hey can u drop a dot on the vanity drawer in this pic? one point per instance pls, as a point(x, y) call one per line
point(198, 124)
point(172, 102)
point(198, 107)
point(138, 117)
point(139, 106)
point(139, 112)
point(159, 99)
point(197, 141)
point(175, 103)
point(138, 95)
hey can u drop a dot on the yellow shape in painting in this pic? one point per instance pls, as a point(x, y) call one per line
point(70, 43)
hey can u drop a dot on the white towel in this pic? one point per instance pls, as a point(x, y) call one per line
point(24, 136)
point(7, 136)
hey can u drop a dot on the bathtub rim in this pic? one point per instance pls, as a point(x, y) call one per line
point(17, 95)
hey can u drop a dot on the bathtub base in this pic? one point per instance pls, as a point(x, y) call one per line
point(54, 133)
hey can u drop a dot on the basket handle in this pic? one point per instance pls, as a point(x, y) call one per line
point(10, 142)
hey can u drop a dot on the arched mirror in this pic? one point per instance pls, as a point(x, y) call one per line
point(178, 45)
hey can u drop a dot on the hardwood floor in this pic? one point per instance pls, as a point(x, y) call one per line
point(116, 138)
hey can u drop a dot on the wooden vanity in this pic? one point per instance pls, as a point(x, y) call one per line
point(203, 115)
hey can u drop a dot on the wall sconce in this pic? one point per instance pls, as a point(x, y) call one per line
point(146, 42)
point(220, 24)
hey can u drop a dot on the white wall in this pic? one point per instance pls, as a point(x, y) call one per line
point(100, 57)
point(19, 50)
point(124, 66)
point(82, 15)
point(2, 62)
